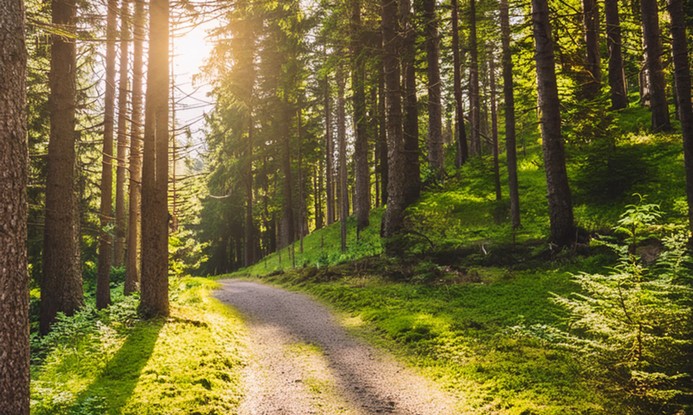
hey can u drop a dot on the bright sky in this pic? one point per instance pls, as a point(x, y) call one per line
point(191, 49)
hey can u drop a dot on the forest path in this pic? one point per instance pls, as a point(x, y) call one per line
point(304, 362)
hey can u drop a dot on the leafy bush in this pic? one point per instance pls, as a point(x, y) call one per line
point(635, 320)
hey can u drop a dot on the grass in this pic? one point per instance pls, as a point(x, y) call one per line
point(466, 337)
point(460, 307)
point(112, 363)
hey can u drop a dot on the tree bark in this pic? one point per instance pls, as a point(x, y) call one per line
point(435, 126)
point(103, 289)
point(617, 79)
point(329, 155)
point(132, 270)
point(474, 102)
point(155, 216)
point(590, 21)
point(494, 123)
point(288, 220)
point(61, 285)
point(14, 159)
point(682, 74)
point(341, 139)
point(362, 201)
point(509, 97)
point(461, 135)
point(563, 231)
point(382, 136)
point(412, 172)
point(121, 219)
point(653, 50)
point(393, 219)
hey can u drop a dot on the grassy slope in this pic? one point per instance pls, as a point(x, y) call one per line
point(458, 324)
point(112, 363)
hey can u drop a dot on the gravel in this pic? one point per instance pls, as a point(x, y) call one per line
point(304, 362)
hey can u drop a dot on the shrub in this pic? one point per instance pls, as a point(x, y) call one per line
point(634, 321)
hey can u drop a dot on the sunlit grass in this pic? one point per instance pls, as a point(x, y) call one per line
point(188, 363)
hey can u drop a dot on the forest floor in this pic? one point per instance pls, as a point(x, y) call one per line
point(305, 362)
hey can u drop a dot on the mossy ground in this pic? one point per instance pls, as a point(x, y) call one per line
point(112, 363)
point(454, 304)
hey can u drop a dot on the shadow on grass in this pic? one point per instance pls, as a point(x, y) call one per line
point(111, 390)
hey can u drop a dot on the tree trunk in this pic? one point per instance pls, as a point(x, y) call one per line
point(461, 136)
point(362, 202)
point(103, 289)
point(508, 94)
point(288, 212)
point(14, 160)
point(560, 206)
point(61, 285)
point(155, 216)
point(590, 20)
point(341, 139)
point(121, 219)
point(435, 127)
point(494, 122)
point(617, 79)
point(329, 155)
point(249, 227)
point(382, 136)
point(132, 271)
point(653, 50)
point(412, 172)
point(474, 102)
point(393, 219)
point(682, 73)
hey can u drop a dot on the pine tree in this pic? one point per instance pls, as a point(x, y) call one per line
point(563, 231)
point(61, 285)
point(155, 216)
point(14, 161)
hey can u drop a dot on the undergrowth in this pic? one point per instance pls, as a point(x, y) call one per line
point(110, 362)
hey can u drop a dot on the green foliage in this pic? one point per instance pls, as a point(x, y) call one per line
point(456, 328)
point(634, 321)
point(110, 362)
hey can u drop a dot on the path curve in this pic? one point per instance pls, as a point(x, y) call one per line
point(303, 362)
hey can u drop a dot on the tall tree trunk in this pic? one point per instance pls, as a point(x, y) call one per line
point(617, 79)
point(474, 101)
point(341, 139)
point(103, 288)
point(14, 160)
point(362, 201)
point(560, 206)
point(590, 21)
point(653, 50)
point(461, 136)
point(155, 216)
point(412, 172)
point(132, 270)
point(494, 122)
point(288, 220)
point(120, 218)
point(393, 219)
point(435, 107)
point(682, 73)
point(61, 285)
point(382, 136)
point(329, 155)
point(508, 95)
point(249, 227)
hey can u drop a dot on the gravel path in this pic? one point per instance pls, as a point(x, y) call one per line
point(304, 362)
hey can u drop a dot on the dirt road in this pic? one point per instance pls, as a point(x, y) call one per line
point(304, 362)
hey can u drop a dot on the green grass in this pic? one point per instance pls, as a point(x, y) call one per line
point(456, 309)
point(112, 363)
point(465, 336)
